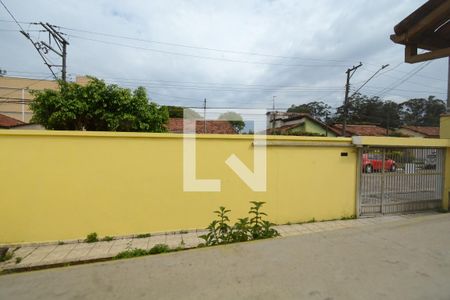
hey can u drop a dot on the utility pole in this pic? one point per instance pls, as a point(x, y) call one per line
point(350, 73)
point(204, 116)
point(56, 43)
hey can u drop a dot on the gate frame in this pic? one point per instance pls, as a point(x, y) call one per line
point(372, 141)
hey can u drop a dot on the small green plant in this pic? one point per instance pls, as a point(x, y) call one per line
point(107, 238)
point(91, 238)
point(313, 220)
point(182, 231)
point(245, 229)
point(131, 253)
point(159, 248)
point(143, 236)
point(61, 243)
point(351, 217)
point(6, 257)
point(219, 230)
point(241, 231)
point(18, 260)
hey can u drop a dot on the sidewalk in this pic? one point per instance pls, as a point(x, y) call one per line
point(38, 256)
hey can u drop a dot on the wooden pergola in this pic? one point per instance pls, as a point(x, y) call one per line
point(427, 28)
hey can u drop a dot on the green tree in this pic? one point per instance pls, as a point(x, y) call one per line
point(98, 107)
point(363, 109)
point(178, 112)
point(317, 109)
point(235, 120)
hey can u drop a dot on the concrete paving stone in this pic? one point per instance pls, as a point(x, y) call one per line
point(100, 249)
point(114, 250)
point(157, 239)
point(80, 251)
point(300, 229)
point(38, 254)
point(122, 241)
point(174, 241)
point(24, 251)
point(201, 232)
point(139, 243)
point(192, 242)
point(59, 253)
point(312, 226)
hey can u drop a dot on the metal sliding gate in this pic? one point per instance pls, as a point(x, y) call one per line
point(397, 180)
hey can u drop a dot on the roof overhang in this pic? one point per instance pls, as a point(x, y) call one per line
point(427, 28)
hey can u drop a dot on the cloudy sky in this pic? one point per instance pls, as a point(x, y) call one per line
point(234, 53)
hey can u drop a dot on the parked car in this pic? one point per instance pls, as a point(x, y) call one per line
point(374, 163)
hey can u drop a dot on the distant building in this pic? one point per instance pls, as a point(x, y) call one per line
point(361, 130)
point(7, 122)
point(287, 123)
point(15, 94)
point(175, 125)
point(420, 131)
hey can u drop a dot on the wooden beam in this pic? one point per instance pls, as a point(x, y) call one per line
point(438, 15)
point(411, 55)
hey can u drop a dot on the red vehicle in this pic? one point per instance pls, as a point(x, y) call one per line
point(374, 163)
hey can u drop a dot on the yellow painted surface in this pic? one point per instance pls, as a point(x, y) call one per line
point(64, 185)
point(444, 130)
point(445, 134)
point(400, 142)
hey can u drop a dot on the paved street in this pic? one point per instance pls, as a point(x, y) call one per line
point(405, 259)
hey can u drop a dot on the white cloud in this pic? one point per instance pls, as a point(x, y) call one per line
point(347, 31)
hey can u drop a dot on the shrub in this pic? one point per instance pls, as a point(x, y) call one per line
point(91, 238)
point(245, 229)
point(159, 248)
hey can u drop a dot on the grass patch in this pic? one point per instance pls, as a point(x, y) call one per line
point(6, 257)
point(159, 248)
point(91, 238)
point(61, 243)
point(107, 238)
point(143, 236)
point(18, 260)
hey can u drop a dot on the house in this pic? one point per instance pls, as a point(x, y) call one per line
point(15, 94)
point(420, 131)
point(287, 123)
point(7, 122)
point(175, 125)
point(361, 129)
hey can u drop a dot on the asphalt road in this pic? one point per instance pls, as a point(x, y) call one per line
point(409, 259)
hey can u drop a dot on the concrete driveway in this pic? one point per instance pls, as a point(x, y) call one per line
point(407, 259)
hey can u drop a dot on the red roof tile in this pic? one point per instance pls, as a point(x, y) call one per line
point(427, 131)
point(363, 130)
point(175, 125)
point(8, 122)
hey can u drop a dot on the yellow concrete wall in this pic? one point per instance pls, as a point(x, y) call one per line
point(445, 134)
point(64, 185)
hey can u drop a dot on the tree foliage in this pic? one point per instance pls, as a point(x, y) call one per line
point(98, 107)
point(235, 120)
point(418, 111)
point(178, 112)
point(317, 109)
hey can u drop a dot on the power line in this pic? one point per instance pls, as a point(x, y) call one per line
point(382, 67)
point(199, 56)
point(403, 80)
point(12, 16)
point(198, 47)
